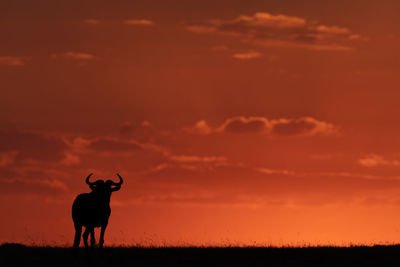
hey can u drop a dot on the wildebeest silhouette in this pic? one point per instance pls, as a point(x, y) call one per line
point(93, 210)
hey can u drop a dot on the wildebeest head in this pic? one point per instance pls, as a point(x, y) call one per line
point(104, 187)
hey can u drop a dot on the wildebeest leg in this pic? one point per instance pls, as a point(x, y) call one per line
point(78, 232)
point(103, 229)
point(92, 238)
point(85, 236)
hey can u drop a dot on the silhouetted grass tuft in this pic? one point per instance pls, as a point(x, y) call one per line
point(12, 254)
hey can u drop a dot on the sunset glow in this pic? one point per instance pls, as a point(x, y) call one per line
point(232, 122)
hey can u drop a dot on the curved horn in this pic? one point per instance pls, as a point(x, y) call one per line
point(117, 185)
point(91, 183)
point(87, 179)
point(120, 180)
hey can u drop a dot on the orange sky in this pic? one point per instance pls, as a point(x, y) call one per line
point(232, 122)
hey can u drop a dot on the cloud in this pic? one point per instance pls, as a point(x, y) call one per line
point(55, 184)
point(70, 159)
point(27, 160)
point(75, 56)
point(374, 160)
point(114, 145)
point(140, 22)
point(280, 30)
point(192, 163)
point(197, 159)
point(16, 146)
point(200, 127)
point(144, 22)
point(12, 61)
point(126, 127)
point(198, 197)
point(275, 171)
point(28, 179)
point(28, 186)
point(142, 132)
point(91, 21)
point(304, 126)
point(100, 153)
point(235, 181)
point(6, 172)
point(245, 125)
point(78, 144)
point(201, 29)
point(220, 48)
point(180, 198)
point(247, 55)
point(7, 158)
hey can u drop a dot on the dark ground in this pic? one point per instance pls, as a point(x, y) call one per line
point(19, 255)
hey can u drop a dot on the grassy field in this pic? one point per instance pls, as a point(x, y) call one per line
point(19, 255)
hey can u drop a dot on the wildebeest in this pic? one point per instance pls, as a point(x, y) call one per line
point(93, 210)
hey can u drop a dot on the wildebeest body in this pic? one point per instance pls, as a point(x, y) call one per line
point(87, 212)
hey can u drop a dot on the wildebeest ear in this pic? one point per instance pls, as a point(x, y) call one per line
point(116, 188)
